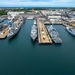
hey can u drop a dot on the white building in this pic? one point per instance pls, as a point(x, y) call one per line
point(54, 17)
point(12, 14)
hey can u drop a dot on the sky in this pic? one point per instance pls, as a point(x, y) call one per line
point(37, 3)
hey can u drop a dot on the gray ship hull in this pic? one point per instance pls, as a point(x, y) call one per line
point(15, 33)
point(34, 32)
point(54, 35)
point(70, 32)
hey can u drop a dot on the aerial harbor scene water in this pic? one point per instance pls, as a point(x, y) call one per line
point(37, 40)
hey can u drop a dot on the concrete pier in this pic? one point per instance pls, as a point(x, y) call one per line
point(4, 33)
point(43, 36)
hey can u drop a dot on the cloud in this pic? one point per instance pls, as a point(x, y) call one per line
point(63, 0)
point(37, 3)
point(45, 0)
point(27, 3)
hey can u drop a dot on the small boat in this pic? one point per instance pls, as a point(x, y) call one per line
point(35, 22)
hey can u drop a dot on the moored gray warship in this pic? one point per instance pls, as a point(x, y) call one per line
point(54, 34)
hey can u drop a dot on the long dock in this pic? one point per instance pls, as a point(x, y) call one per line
point(43, 36)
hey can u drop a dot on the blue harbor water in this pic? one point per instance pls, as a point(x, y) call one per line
point(21, 56)
point(5, 21)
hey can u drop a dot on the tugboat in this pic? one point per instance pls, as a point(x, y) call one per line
point(34, 32)
point(71, 30)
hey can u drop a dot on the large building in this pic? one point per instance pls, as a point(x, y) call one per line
point(12, 14)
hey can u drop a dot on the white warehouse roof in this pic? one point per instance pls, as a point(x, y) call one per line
point(54, 17)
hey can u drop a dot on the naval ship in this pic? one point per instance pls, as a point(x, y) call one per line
point(13, 30)
point(34, 32)
point(54, 34)
point(71, 30)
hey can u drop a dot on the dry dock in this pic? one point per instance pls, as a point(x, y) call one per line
point(43, 36)
point(4, 33)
